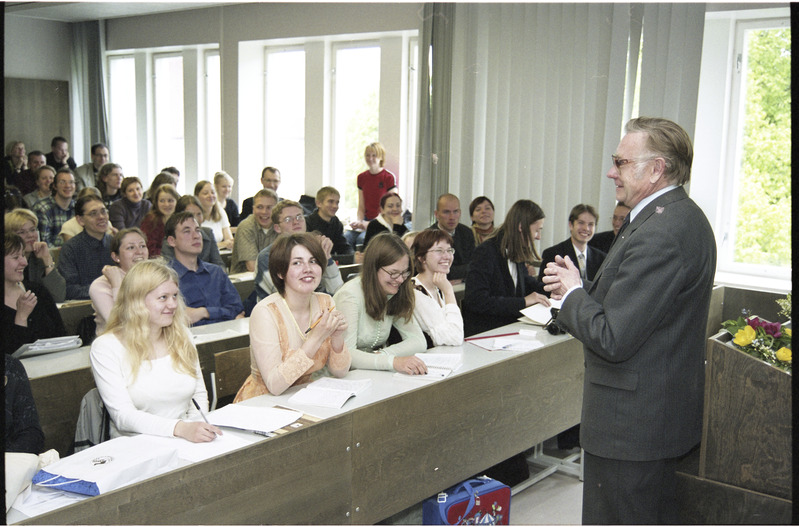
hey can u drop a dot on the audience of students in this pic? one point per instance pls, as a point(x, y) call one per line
point(208, 292)
point(295, 332)
point(481, 211)
point(389, 219)
point(41, 267)
point(254, 233)
point(23, 433)
point(436, 309)
point(210, 252)
point(500, 286)
point(214, 216)
point(129, 246)
point(223, 184)
point(165, 198)
point(145, 365)
point(132, 208)
point(82, 257)
point(270, 179)
point(109, 182)
point(29, 312)
point(324, 220)
point(55, 210)
point(448, 217)
point(379, 298)
point(45, 176)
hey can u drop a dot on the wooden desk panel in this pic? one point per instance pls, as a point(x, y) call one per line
point(429, 439)
point(302, 477)
point(58, 400)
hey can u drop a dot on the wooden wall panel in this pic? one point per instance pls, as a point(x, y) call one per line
point(35, 111)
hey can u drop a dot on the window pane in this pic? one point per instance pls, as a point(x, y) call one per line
point(762, 233)
point(357, 89)
point(213, 113)
point(169, 138)
point(285, 120)
point(122, 113)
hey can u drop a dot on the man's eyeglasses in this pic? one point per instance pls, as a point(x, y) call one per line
point(396, 275)
point(442, 252)
point(620, 162)
point(292, 219)
point(96, 213)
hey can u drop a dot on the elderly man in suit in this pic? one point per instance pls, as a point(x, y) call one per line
point(582, 222)
point(642, 323)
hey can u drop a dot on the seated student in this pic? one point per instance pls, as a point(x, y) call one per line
point(210, 252)
point(481, 211)
point(209, 294)
point(54, 211)
point(582, 221)
point(163, 178)
point(132, 208)
point(25, 181)
point(109, 182)
point(28, 314)
point(604, 240)
point(145, 365)
point(382, 297)
point(223, 184)
point(128, 247)
point(270, 179)
point(498, 285)
point(448, 217)
point(254, 233)
point(72, 228)
point(86, 174)
point(82, 258)
point(45, 175)
point(22, 430)
point(436, 310)
point(59, 155)
point(165, 198)
point(213, 215)
point(389, 219)
point(287, 218)
point(14, 164)
point(325, 221)
point(295, 334)
point(41, 267)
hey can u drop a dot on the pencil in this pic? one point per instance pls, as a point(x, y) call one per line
point(317, 320)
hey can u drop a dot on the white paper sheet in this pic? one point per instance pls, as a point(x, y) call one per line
point(253, 417)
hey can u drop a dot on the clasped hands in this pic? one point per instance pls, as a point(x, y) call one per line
point(560, 276)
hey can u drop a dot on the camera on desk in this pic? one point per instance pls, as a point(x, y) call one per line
point(552, 326)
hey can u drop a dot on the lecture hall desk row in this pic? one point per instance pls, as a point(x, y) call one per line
point(386, 449)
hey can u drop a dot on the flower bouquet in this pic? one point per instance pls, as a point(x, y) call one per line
point(767, 341)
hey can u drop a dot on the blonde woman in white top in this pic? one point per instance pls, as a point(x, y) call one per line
point(436, 310)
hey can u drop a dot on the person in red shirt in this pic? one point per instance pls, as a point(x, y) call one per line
point(372, 185)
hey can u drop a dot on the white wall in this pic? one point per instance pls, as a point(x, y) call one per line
point(37, 49)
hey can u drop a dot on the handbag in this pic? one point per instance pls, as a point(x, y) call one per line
point(479, 501)
point(109, 466)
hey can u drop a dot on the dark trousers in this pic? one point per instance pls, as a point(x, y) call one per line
point(629, 492)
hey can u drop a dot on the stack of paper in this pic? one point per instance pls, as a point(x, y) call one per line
point(42, 346)
point(439, 366)
point(330, 392)
point(539, 314)
point(253, 418)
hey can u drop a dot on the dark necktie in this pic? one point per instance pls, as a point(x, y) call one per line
point(621, 229)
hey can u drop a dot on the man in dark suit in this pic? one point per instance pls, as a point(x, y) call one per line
point(642, 322)
point(603, 240)
point(582, 221)
point(448, 217)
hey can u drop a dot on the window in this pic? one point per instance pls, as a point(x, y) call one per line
point(122, 108)
point(168, 90)
point(213, 112)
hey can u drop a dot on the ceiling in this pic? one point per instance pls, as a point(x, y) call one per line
point(83, 11)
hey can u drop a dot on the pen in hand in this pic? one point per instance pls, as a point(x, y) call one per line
point(202, 414)
point(317, 321)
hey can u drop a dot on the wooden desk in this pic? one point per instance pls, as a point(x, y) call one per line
point(60, 380)
point(72, 312)
point(244, 283)
point(400, 442)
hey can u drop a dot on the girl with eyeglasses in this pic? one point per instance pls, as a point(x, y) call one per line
point(436, 310)
point(498, 284)
point(380, 299)
point(296, 334)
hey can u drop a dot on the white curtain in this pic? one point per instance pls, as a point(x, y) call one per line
point(537, 100)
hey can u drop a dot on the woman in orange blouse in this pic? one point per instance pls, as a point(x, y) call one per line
point(296, 334)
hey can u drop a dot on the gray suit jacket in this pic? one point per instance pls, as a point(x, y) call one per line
point(642, 322)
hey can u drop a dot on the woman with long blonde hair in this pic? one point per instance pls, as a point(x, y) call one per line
point(214, 216)
point(145, 364)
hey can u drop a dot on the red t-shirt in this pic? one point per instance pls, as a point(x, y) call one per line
point(373, 187)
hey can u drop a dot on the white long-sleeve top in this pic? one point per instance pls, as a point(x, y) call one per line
point(442, 321)
point(366, 337)
point(155, 402)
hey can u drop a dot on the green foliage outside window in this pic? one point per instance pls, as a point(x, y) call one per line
point(361, 130)
point(763, 228)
